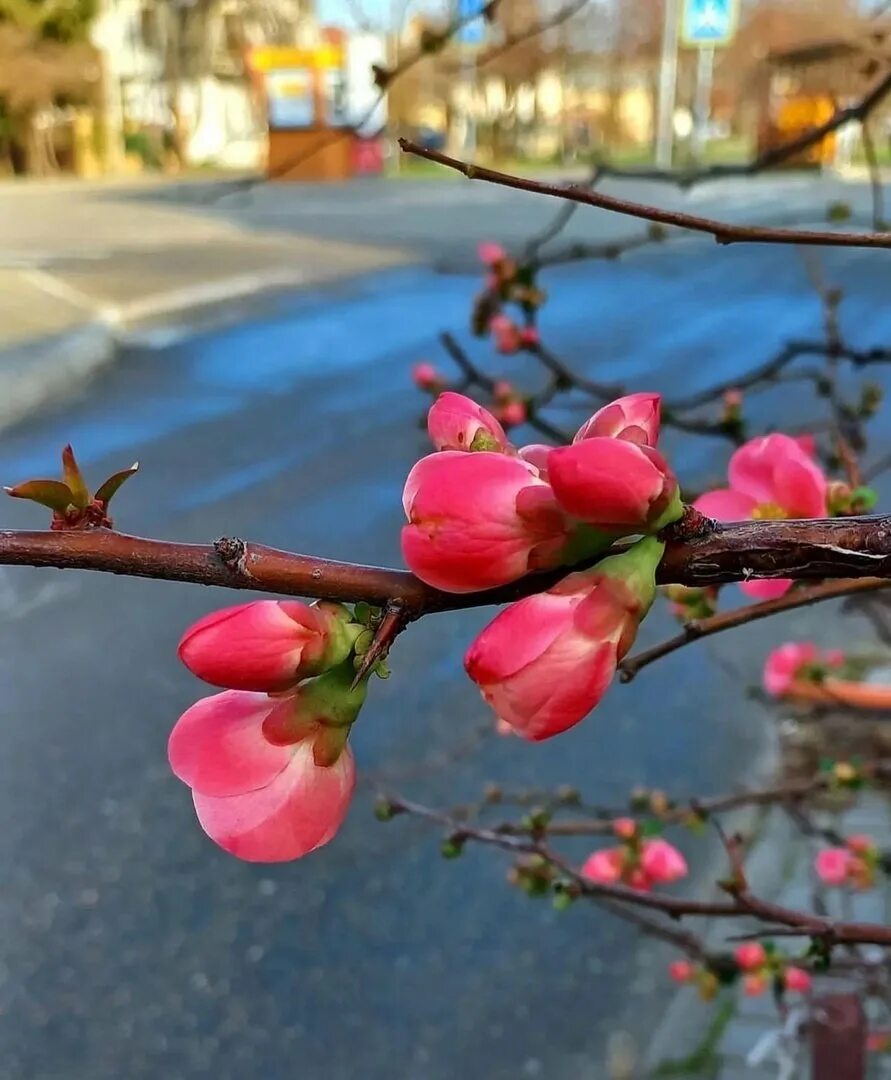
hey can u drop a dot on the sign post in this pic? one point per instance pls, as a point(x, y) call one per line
point(470, 37)
point(705, 25)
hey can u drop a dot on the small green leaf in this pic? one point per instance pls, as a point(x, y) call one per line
point(50, 493)
point(80, 493)
point(651, 827)
point(110, 488)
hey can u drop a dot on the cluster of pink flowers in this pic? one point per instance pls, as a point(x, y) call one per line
point(774, 476)
point(853, 866)
point(798, 661)
point(267, 760)
point(505, 284)
point(758, 967)
point(483, 513)
point(638, 862)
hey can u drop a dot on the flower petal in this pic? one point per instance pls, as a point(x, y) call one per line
point(217, 746)
point(767, 589)
point(725, 505)
point(299, 811)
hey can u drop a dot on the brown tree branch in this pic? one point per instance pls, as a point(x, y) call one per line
point(700, 553)
point(723, 232)
point(727, 620)
point(741, 904)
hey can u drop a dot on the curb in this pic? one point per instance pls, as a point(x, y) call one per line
point(45, 370)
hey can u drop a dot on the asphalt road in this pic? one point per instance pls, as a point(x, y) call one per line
point(130, 946)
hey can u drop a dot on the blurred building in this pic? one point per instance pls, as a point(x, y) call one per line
point(177, 85)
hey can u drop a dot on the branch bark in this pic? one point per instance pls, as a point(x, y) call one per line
point(723, 232)
point(697, 554)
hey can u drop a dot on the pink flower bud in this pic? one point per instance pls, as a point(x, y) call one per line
point(529, 336)
point(603, 867)
point(456, 422)
point(733, 399)
point(862, 845)
point(681, 971)
point(544, 662)
point(754, 985)
point(750, 956)
point(662, 862)
point(797, 980)
point(624, 827)
point(513, 413)
point(506, 333)
point(479, 520)
point(503, 390)
point(268, 645)
point(639, 879)
point(491, 253)
point(634, 418)
point(537, 454)
point(425, 376)
point(260, 800)
point(832, 866)
point(614, 484)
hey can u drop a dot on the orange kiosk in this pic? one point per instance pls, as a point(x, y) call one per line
point(304, 92)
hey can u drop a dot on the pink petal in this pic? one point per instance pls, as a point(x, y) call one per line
point(801, 487)
point(767, 589)
point(217, 746)
point(726, 505)
point(298, 812)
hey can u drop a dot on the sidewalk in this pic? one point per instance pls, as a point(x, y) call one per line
point(82, 265)
point(740, 1038)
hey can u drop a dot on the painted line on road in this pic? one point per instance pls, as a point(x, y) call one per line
point(208, 292)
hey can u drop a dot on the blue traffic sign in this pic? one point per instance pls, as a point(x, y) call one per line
point(473, 30)
point(709, 22)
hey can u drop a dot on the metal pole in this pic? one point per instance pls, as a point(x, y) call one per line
point(668, 78)
point(705, 70)
point(470, 119)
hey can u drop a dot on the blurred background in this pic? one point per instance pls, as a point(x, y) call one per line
point(212, 260)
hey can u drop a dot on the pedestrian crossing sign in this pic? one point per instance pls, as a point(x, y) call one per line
point(709, 22)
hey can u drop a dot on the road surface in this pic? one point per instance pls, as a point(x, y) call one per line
point(129, 945)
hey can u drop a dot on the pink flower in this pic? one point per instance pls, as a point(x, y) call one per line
point(479, 520)
point(491, 253)
point(502, 727)
point(262, 800)
point(661, 862)
point(788, 663)
point(456, 422)
point(750, 956)
point(634, 418)
point(625, 827)
point(754, 985)
point(797, 980)
point(268, 645)
point(513, 413)
point(614, 484)
point(681, 971)
point(544, 662)
point(832, 865)
point(425, 376)
point(604, 867)
point(770, 477)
